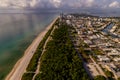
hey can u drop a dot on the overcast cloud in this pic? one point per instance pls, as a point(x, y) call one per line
point(60, 4)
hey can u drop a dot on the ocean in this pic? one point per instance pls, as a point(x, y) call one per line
point(17, 31)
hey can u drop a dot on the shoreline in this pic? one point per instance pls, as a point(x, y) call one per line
point(20, 67)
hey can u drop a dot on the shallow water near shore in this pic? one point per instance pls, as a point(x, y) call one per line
point(17, 31)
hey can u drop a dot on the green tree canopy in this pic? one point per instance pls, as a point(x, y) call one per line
point(99, 77)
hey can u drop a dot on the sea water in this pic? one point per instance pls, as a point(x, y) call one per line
point(17, 31)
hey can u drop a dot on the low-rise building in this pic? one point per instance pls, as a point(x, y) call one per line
point(103, 58)
point(117, 59)
point(114, 52)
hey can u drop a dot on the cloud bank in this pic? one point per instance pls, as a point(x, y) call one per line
point(114, 4)
point(22, 4)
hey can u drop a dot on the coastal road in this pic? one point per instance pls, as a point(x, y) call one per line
point(21, 65)
point(98, 67)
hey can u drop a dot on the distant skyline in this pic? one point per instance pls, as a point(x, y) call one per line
point(72, 4)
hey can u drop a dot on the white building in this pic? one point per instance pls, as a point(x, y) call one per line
point(114, 52)
point(117, 59)
point(103, 58)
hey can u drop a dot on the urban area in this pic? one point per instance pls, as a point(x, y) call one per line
point(97, 40)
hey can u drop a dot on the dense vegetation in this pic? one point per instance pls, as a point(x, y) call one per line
point(119, 78)
point(27, 76)
point(99, 77)
point(34, 61)
point(109, 73)
point(60, 60)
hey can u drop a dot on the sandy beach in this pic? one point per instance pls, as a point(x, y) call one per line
point(21, 65)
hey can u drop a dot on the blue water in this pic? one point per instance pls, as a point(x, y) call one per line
point(17, 31)
point(107, 31)
point(108, 28)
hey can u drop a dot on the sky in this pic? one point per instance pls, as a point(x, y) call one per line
point(71, 4)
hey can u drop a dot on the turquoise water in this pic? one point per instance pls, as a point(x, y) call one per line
point(17, 31)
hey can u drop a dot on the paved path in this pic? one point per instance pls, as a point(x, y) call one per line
point(98, 67)
point(38, 67)
point(92, 69)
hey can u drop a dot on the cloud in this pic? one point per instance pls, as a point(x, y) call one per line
point(89, 3)
point(59, 4)
point(33, 3)
point(46, 3)
point(56, 3)
point(114, 4)
point(78, 3)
